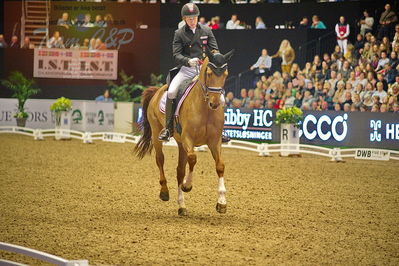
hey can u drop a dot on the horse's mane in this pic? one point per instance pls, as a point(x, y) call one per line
point(203, 68)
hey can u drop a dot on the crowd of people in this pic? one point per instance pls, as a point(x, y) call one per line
point(363, 76)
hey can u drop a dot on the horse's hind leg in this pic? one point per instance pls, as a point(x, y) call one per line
point(215, 148)
point(181, 171)
point(164, 194)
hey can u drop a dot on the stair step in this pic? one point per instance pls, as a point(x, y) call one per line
point(36, 33)
point(36, 17)
point(37, 12)
point(35, 26)
point(33, 21)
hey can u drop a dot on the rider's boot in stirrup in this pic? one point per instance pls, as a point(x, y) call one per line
point(167, 132)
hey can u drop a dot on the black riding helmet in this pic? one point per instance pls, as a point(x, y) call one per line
point(190, 10)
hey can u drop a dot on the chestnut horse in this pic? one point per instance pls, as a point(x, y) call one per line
point(201, 118)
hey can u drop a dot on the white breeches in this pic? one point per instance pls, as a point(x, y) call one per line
point(184, 74)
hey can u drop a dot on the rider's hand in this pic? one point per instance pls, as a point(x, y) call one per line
point(193, 62)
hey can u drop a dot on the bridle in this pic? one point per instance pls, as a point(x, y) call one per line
point(205, 89)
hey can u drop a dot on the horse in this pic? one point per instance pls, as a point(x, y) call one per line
point(202, 120)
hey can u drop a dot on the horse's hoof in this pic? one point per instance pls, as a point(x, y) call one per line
point(221, 208)
point(182, 212)
point(186, 189)
point(164, 195)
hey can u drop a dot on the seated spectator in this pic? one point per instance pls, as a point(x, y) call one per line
point(395, 37)
point(109, 20)
point(27, 44)
point(263, 65)
point(380, 92)
point(304, 23)
point(387, 20)
point(229, 99)
point(14, 42)
point(359, 44)
point(234, 23)
point(85, 44)
point(259, 24)
point(100, 45)
point(56, 41)
point(347, 99)
point(317, 24)
point(366, 24)
point(87, 22)
point(393, 59)
point(181, 24)
point(3, 43)
point(202, 21)
point(104, 97)
point(337, 107)
point(214, 23)
point(395, 108)
point(99, 22)
point(236, 103)
point(244, 98)
point(64, 21)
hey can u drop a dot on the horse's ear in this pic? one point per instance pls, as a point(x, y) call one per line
point(209, 54)
point(228, 56)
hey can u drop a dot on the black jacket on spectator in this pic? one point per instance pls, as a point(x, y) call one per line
point(187, 45)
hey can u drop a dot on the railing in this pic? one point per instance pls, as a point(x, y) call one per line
point(48, 6)
point(23, 18)
point(323, 44)
point(263, 149)
point(244, 79)
point(38, 255)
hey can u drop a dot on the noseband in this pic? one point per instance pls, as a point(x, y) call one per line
point(205, 89)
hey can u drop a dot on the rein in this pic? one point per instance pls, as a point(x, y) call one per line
point(205, 88)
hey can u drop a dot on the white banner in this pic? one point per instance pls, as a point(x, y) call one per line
point(88, 116)
point(75, 64)
point(372, 154)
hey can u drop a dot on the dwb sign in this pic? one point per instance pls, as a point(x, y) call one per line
point(75, 64)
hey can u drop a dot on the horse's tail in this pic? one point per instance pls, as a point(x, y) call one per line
point(145, 143)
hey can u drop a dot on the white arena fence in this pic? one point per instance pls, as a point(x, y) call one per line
point(263, 149)
point(38, 255)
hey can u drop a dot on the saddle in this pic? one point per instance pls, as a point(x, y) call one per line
point(183, 90)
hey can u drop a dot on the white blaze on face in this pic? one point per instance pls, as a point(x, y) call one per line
point(222, 191)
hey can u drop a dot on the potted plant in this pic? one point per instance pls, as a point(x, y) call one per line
point(290, 119)
point(61, 109)
point(22, 88)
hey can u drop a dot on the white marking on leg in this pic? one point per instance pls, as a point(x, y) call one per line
point(180, 197)
point(188, 180)
point(222, 191)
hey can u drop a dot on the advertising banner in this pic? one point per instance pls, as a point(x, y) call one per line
point(75, 64)
point(88, 116)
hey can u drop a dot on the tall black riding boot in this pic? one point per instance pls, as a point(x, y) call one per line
point(167, 132)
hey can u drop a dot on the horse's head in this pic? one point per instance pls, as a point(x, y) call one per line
point(214, 73)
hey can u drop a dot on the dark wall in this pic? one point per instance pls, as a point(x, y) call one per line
point(247, 44)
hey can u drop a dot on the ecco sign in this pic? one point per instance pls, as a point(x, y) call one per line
point(324, 127)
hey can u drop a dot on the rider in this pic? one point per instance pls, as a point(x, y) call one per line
point(189, 46)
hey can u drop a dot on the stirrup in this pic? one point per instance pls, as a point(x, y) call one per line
point(164, 135)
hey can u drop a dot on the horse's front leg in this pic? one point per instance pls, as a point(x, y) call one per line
point(192, 160)
point(215, 148)
point(181, 171)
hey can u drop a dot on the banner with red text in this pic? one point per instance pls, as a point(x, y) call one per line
point(75, 64)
